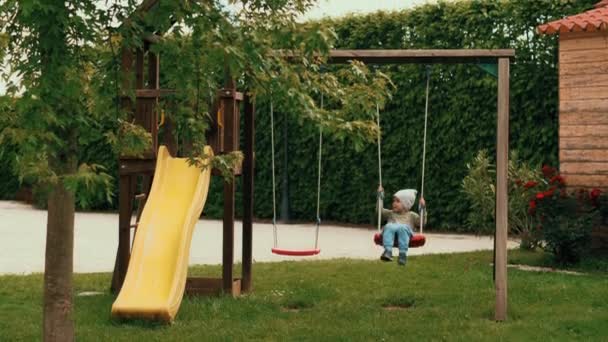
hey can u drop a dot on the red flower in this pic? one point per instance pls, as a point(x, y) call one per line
point(532, 206)
point(594, 196)
point(540, 196)
point(549, 193)
point(548, 171)
point(557, 179)
point(518, 182)
point(530, 184)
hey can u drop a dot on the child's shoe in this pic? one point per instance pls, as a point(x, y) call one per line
point(402, 259)
point(386, 256)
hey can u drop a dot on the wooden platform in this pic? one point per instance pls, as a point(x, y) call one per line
point(200, 286)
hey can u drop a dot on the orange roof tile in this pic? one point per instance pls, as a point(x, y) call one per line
point(592, 20)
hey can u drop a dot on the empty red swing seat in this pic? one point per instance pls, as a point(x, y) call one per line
point(418, 240)
point(290, 252)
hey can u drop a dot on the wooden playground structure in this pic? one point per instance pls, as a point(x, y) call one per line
point(224, 138)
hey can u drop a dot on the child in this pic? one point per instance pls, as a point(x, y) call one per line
point(400, 220)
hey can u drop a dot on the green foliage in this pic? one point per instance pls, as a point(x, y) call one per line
point(479, 186)
point(132, 140)
point(92, 183)
point(70, 99)
point(566, 225)
point(50, 46)
point(521, 176)
point(9, 183)
point(253, 51)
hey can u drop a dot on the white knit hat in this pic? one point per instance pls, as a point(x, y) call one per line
point(407, 197)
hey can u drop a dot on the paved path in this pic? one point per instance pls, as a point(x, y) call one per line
point(23, 230)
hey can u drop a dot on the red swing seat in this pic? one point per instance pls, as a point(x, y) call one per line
point(305, 252)
point(418, 240)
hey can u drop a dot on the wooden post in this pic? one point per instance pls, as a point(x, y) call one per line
point(139, 69)
point(125, 204)
point(150, 113)
point(153, 71)
point(502, 161)
point(124, 188)
point(248, 172)
point(230, 137)
point(170, 139)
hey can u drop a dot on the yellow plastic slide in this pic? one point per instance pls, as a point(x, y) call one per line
point(155, 281)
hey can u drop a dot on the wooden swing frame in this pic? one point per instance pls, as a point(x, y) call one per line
point(467, 56)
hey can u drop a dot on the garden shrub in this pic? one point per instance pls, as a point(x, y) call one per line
point(564, 217)
point(479, 186)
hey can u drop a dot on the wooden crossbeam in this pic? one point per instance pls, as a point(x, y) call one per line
point(423, 56)
point(420, 56)
point(153, 93)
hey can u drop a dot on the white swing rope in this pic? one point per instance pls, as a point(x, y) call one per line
point(422, 208)
point(274, 195)
point(380, 203)
point(319, 182)
point(274, 206)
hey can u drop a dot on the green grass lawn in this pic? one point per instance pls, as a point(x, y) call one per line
point(448, 297)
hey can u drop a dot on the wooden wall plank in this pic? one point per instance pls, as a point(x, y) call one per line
point(573, 118)
point(578, 35)
point(584, 168)
point(595, 40)
point(583, 131)
point(587, 181)
point(598, 155)
point(587, 106)
point(583, 93)
point(583, 68)
point(593, 80)
point(583, 56)
point(582, 143)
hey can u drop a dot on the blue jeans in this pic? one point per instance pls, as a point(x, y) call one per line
point(404, 233)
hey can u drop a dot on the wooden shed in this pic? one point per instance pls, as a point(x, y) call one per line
point(583, 96)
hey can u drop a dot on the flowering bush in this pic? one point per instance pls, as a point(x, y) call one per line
point(542, 212)
point(479, 187)
point(564, 219)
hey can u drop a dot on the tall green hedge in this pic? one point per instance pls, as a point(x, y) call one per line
point(462, 113)
point(8, 181)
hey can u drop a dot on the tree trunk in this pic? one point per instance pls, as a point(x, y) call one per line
point(58, 324)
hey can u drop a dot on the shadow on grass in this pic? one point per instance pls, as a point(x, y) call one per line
point(395, 303)
point(297, 304)
point(140, 323)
